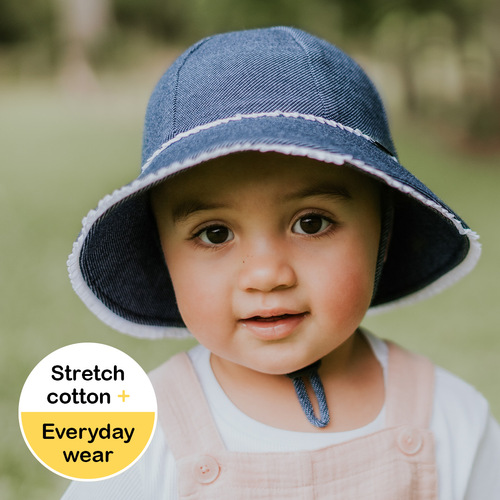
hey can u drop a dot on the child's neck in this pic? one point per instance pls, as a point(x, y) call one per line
point(351, 375)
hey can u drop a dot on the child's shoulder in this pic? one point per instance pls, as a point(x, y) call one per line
point(467, 438)
point(458, 403)
point(458, 389)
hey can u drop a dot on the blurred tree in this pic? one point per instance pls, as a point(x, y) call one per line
point(83, 23)
point(26, 20)
point(162, 19)
point(189, 20)
point(443, 56)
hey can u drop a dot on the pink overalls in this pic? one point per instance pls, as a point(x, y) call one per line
point(396, 463)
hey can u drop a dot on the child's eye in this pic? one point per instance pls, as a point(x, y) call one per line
point(311, 224)
point(215, 235)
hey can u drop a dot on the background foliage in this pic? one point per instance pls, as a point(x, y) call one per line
point(75, 76)
point(441, 58)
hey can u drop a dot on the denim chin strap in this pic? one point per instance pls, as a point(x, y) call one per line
point(310, 373)
point(386, 223)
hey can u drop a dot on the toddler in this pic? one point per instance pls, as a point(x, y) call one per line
point(270, 215)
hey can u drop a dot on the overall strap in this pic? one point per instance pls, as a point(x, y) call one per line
point(183, 409)
point(410, 388)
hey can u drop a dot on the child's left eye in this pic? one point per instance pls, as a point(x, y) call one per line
point(215, 235)
point(311, 224)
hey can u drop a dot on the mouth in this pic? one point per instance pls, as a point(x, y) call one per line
point(274, 326)
point(270, 319)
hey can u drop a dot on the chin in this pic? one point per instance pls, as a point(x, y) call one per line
point(282, 365)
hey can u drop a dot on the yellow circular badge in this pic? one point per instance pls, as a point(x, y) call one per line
point(87, 411)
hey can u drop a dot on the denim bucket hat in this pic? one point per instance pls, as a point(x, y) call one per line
point(275, 89)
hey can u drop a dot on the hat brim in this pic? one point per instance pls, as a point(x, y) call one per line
point(117, 267)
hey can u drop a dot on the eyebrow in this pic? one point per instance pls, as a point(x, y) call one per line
point(184, 210)
point(187, 208)
point(326, 190)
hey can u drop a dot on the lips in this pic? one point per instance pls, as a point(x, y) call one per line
point(271, 325)
point(270, 319)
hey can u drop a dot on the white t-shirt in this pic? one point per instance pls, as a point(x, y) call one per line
point(467, 441)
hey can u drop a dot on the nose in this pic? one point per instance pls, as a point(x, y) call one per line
point(265, 270)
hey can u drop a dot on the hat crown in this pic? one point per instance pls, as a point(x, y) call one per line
point(262, 71)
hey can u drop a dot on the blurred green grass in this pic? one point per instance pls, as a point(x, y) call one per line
point(61, 153)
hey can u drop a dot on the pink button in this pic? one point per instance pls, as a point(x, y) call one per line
point(410, 441)
point(206, 469)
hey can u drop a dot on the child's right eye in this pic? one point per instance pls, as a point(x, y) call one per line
point(215, 235)
point(312, 224)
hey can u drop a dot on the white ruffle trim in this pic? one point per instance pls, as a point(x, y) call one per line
point(154, 332)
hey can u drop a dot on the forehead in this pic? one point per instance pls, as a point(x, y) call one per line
point(274, 173)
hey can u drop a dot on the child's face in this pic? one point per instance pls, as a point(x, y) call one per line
point(272, 257)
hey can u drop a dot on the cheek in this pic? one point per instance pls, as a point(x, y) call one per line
point(199, 293)
point(345, 293)
point(343, 285)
